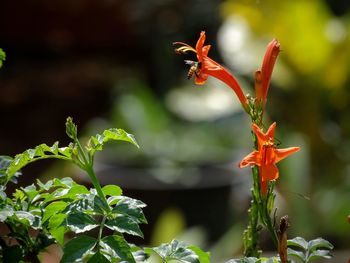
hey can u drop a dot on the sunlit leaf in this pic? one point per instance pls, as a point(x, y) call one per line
point(97, 142)
point(298, 254)
point(318, 254)
point(5, 213)
point(53, 208)
point(42, 151)
point(80, 222)
point(175, 251)
point(319, 243)
point(75, 249)
point(130, 207)
point(112, 190)
point(298, 242)
point(116, 246)
point(124, 224)
point(204, 257)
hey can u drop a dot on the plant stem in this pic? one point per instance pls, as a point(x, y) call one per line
point(95, 183)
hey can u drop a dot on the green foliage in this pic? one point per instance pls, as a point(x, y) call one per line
point(255, 260)
point(179, 251)
point(306, 252)
point(2, 57)
point(59, 206)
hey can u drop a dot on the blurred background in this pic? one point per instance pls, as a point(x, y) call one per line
point(111, 63)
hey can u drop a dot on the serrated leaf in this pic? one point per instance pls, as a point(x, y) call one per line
point(318, 254)
point(319, 243)
point(80, 222)
point(97, 142)
point(130, 207)
point(116, 246)
point(294, 253)
point(77, 248)
point(298, 242)
point(112, 190)
point(124, 224)
point(41, 151)
point(98, 258)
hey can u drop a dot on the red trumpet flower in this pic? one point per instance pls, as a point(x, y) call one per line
point(205, 67)
point(266, 156)
point(263, 76)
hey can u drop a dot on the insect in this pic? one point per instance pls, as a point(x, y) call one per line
point(194, 69)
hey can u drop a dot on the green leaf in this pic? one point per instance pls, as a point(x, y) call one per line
point(319, 243)
point(55, 227)
point(5, 213)
point(298, 242)
point(112, 190)
point(124, 224)
point(318, 254)
point(132, 208)
point(97, 142)
point(53, 208)
point(24, 217)
point(116, 246)
point(2, 57)
point(100, 207)
point(175, 251)
point(204, 257)
point(77, 248)
point(41, 151)
point(298, 254)
point(245, 260)
point(98, 258)
point(80, 222)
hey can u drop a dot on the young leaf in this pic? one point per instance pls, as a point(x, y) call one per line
point(298, 242)
point(41, 151)
point(298, 254)
point(97, 142)
point(318, 254)
point(319, 243)
point(77, 248)
point(116, 246)
point(124, 224)
point(80, 222)
point(112, 190)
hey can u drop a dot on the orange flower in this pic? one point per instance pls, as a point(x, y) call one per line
point(206, 66)
point(263, 76)
point(266, 156)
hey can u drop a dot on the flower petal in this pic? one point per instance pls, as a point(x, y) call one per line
point(280, 154)
point(251, 159)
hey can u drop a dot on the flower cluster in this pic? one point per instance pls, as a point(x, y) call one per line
point(266, 155)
